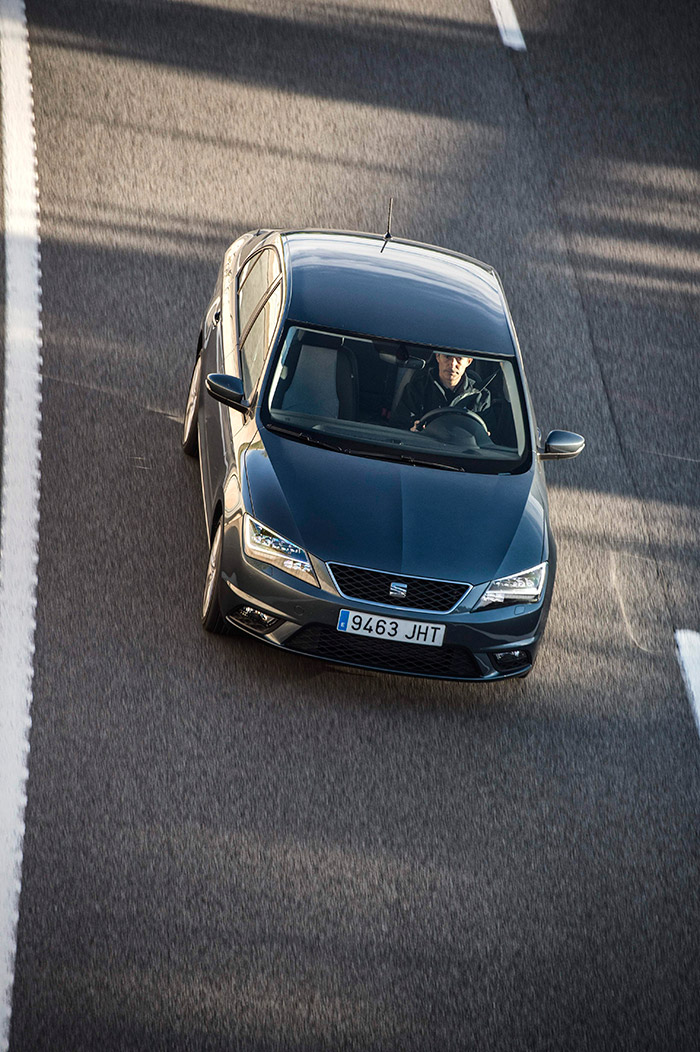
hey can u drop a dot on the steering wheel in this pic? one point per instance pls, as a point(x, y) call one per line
point(443, 410)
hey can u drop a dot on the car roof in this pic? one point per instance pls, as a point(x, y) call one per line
point(408, 291)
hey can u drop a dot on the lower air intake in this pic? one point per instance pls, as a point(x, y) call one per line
point(325, 642)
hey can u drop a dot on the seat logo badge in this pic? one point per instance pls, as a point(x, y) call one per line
point(398, 590)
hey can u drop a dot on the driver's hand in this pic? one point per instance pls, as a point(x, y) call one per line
point(417, 426)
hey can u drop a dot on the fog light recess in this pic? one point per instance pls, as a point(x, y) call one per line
point(254, 620)
point(510, 660)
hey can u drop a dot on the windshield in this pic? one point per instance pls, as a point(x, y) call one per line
point(380, 398)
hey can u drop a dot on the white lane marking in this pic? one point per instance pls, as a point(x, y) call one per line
point(673, 456)
point(688, 648)
point(508, 24)
point(19, 503)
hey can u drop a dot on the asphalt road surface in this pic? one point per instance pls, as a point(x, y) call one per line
point(228, 847)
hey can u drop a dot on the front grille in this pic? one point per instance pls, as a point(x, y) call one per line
point(373, 586)
point(326, 642)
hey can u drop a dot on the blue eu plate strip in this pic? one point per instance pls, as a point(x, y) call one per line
point(343, 620)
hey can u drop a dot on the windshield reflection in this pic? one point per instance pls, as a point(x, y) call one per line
point(397, 401)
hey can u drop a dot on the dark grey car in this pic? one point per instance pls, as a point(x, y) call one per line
point(360, 507)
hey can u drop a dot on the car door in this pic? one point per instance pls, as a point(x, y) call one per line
point(212, 448)
point(257, 279)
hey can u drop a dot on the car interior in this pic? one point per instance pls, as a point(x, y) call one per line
point(349, 385)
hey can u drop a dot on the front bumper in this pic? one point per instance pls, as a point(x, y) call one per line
point(306, 618)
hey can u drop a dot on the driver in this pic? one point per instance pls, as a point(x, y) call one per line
point(444, 383)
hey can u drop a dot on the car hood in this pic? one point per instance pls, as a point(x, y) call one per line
point(401, 518)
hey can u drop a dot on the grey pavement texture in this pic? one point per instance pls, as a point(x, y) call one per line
point(228, 847)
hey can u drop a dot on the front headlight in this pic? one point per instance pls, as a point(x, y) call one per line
point(260, 542)
point(525, 587)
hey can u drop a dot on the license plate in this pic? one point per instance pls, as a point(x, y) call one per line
point(425, 633)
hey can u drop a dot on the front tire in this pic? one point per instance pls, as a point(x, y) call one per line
point(212, 618)
point(190, 438)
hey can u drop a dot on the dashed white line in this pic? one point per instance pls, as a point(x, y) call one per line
point(19, 503)
point(688, 649)
point(507, 22)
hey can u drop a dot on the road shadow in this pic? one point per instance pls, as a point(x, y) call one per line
point(228, 846)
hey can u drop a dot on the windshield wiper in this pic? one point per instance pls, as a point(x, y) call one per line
point(429, 463)
point(305, 436)
point(384, 454)
point(390, 454)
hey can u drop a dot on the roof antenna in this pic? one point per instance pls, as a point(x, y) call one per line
point(387, 236)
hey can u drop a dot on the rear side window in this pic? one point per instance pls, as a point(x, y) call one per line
point(257, 342)
point(254, 282)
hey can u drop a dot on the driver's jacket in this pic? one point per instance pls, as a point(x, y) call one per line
point(424, 392)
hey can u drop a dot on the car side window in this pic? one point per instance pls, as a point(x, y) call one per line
point(254, 281)
point(257, 342)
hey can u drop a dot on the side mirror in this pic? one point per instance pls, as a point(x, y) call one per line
point(227, 389)
point(561, 445)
